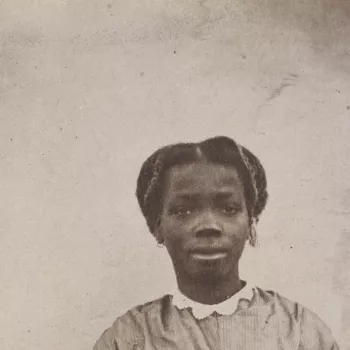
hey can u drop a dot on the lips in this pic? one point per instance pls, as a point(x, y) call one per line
point(207, 253)
point(209, 256)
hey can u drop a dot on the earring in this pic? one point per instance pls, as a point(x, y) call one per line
point(253, 236)
point(160, 244)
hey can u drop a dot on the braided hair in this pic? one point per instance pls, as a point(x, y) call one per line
point(219, 150)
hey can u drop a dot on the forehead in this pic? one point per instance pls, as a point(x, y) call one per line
point(202, 178)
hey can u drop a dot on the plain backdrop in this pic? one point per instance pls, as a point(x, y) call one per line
point(88, 89)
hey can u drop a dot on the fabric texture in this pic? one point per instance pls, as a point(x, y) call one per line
point(266, 322)
point(201, 311)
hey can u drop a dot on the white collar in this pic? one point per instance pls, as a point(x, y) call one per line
point(200, 311)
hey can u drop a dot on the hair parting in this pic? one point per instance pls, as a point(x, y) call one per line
point(218, 150)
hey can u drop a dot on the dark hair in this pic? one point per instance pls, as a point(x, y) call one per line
point(218, 150)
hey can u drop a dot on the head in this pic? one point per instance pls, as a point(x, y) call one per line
point(201, 201)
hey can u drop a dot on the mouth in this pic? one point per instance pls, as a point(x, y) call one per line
point(208, 254)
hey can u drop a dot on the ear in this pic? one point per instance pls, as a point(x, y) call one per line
point(249, 230)
point(158, 232)
point(252, 235)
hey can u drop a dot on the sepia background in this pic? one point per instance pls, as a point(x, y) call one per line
point(89, 88)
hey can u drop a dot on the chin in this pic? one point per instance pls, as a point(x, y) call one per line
point(206, 277)
point(209, 274)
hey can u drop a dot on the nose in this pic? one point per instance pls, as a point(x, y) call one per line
point(208, 226)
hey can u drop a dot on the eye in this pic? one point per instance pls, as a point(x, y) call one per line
point(182, 211)
point(230, 209)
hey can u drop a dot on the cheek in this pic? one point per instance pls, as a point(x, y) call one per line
point(173, 233)
point(238, 227)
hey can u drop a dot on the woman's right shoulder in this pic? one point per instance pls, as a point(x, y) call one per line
point(128, 329)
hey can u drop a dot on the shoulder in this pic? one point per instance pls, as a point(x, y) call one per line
point(280, 303)
point(128, 329)
point(314, 333)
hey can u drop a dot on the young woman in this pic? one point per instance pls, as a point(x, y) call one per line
point(202, 202)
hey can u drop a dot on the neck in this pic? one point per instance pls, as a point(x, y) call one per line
point(208, 291)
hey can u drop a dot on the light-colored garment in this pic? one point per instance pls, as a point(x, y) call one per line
point(201, 311)
point(267, 322)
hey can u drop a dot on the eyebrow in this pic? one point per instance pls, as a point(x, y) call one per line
point(225, 194)
point(187, 196)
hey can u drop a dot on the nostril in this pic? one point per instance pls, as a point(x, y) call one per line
point(208, 232)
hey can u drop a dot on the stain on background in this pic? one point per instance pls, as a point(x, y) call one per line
point(88, 89)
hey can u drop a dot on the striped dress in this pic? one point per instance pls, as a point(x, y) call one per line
point(267, 321)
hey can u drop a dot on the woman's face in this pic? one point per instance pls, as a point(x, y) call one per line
point(204, 223)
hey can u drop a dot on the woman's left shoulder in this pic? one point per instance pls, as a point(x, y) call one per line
point(315, 333)
point(284, 304)
point(280, 302)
